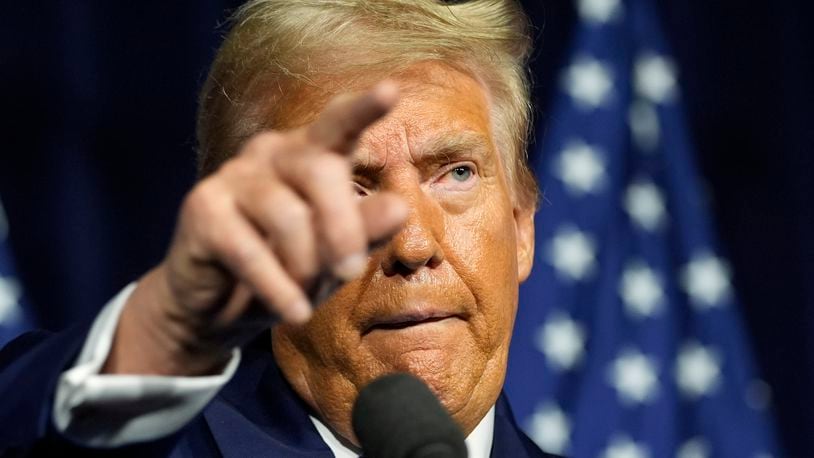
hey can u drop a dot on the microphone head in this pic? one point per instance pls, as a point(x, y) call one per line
point(397, 416)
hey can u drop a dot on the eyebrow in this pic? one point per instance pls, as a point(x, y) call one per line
point(444, 148)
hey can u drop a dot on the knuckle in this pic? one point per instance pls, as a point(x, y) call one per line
point(263, 143)
point(204, 199)
point(240, 166)
point(265, 192)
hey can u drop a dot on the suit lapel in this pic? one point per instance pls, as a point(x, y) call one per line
point(509, 440)
point(258, 414)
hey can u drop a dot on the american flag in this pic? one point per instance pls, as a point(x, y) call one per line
point(13, 319)
point(629, 342)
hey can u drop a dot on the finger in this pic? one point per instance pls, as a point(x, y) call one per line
point(323, 179)
point(345, 118)
point(287, 223)
point(244, 311)
point(245, 253)
point(383, 215)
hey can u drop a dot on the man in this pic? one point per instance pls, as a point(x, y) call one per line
point(364, 192)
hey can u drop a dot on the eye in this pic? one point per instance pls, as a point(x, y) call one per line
point(459, 177)
point(461, 173)
point(360, 190)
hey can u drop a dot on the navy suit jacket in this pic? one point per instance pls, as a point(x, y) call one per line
point(255, 414)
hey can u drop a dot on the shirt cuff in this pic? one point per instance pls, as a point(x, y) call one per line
point(104, 410)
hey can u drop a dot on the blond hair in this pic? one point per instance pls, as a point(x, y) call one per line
point(278, 47)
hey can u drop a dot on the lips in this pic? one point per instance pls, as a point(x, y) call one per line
point(421, 306)
point(406, 320)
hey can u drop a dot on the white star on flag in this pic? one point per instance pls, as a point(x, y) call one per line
point(580, 168)
point(562, 341)
point(697, 370)
point(697, 447)
point(551, 429)
point(589, 82)
point(631, 260)
point(10, 293)
point(623, 447)
point(655, 78)
point(641, 291)
point(706, 279)
point(599, 11)
point(644, 125)
point(634, 376)
point(644, 203)
point(573, 253)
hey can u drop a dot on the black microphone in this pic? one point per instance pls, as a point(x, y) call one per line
point(397, 416)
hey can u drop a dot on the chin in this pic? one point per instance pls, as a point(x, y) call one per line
point(443, 355)
point(467, 387)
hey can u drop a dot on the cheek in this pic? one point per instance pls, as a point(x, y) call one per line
point(330, 330)
point(486, 228)
point(481, 243)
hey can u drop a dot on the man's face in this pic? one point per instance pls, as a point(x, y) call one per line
point(439, 299)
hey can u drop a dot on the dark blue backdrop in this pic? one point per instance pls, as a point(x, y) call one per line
point(97, 103)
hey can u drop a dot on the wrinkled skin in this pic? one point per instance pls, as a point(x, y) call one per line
point(439, 299)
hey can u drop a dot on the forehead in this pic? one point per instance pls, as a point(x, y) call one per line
point(439, 108)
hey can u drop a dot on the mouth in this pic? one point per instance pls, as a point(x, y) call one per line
point(398, 322)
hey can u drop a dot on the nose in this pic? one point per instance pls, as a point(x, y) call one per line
point(416, 245)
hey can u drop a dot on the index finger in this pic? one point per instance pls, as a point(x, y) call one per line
point(345, 118)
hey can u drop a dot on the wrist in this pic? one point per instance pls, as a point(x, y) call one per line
point(155, 337)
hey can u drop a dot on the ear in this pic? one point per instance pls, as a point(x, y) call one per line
point(524, 228)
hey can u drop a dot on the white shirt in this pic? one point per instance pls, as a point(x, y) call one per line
point(159, 405)
point(478, 443)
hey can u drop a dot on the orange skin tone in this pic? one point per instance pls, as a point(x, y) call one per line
point(456, 263)
point(437, 299)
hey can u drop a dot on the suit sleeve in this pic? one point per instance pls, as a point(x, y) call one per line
point(29, 369)
point(60, 396)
